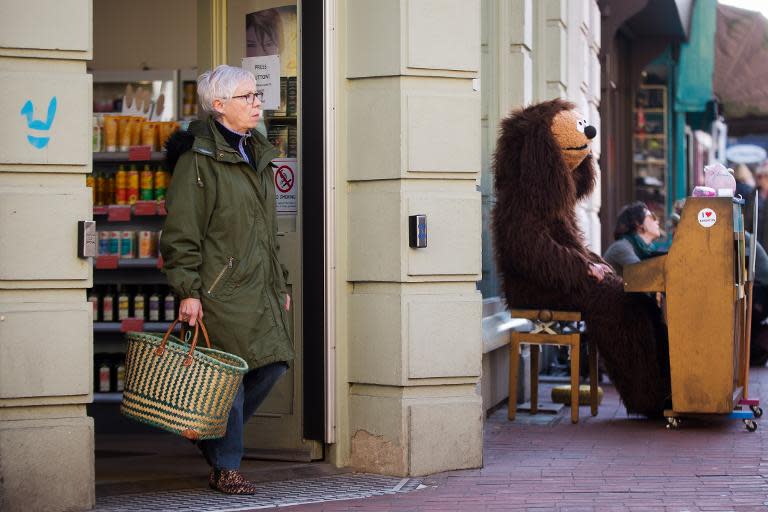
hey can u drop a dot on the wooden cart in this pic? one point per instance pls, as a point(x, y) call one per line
point(707, 289)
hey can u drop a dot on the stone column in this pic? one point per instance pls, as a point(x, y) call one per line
point(413, 138)
point(46, 345)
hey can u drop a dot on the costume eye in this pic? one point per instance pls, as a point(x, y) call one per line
point(580, 125)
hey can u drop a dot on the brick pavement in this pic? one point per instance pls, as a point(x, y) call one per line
point(608, 463)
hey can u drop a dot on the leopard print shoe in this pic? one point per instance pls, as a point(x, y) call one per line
point(230, 482)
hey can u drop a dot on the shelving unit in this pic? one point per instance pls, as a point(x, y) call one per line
point(650, 148)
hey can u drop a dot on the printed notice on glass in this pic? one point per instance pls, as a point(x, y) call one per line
point(285, 171)
point(266, 69)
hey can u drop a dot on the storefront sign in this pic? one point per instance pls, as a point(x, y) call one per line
point(267, 72)
point(286, 174)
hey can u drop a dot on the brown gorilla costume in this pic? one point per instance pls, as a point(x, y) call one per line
point(543, 166)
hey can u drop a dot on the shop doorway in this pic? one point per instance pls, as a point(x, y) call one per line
point(289, 427)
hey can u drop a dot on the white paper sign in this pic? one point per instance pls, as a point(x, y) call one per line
point(286, 175)
point(267, 72)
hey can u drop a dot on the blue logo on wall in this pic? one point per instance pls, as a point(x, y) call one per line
point(28, 110)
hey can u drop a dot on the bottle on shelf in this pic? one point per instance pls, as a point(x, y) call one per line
point(161, 183)
point(93, 298)
point(101, 186)
point(123, 304)
point(133, 185)
point(139, 305)
point(121, 186)
point(169, 310)
point(104, 376)
point(154, 307)
point(120, 376)
point(107, 306)
point(90, 182)
point(110, 194)
point(147, 180)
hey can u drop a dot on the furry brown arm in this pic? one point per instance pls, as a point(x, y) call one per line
point(550, 264)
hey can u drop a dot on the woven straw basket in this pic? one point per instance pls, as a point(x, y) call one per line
point(183, 389)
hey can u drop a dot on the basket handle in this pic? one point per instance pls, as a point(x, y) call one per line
point(188, 360)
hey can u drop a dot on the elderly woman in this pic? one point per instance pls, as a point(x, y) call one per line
point(220, 251)
point(636, 229)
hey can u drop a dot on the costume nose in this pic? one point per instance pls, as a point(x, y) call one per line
point(590, 132)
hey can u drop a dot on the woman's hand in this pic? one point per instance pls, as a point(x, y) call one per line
point(599, 271)
point(190, 310)
point(287, 302)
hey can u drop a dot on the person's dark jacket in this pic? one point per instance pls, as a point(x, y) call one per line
point(219, 242)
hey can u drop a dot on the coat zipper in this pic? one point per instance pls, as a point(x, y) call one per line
point(221, 274)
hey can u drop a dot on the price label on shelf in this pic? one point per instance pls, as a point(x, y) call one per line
point(145, 208)
point(118, 213)
point(107, 262)
point(139, 153)
point(132, 324)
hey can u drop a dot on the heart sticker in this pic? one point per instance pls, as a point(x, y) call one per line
point(707, 217)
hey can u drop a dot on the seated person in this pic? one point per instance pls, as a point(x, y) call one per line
point(636, 230)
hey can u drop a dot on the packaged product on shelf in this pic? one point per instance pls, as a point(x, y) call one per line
point(139, 305)
point(278, 137)
point(133, 185)
point(161, 184)
point(292, 148)
point(93, 298)
point(110, 133)
point(147, 244)
point(121, 186)
point(120, 376)
point(109, 196)
point(165, 130)
point(149, 134)
point(154, 307)
point(291, 94)
point(104, 243)
point(128, 244)
point(169, 309)
point(124, 133)
point(96, 140)
point(104, 377)
point(123, 305)
point(114, 243)
point(107, 307)
point(135, 127)
point(100, 188)
point(90, 182)
point(146, 187)
point(281, 109)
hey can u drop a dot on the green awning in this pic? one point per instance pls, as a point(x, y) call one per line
point(697, 60)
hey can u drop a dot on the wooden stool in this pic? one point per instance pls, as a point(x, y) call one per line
point(545, 333)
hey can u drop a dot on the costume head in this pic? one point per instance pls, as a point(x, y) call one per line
point(544, 150)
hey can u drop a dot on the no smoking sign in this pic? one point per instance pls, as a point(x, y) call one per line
point(285, 175)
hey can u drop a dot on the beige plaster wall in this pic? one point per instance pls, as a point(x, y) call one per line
point(157, 34)
point(46, 345)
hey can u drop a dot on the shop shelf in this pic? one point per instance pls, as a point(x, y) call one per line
point(123, 156)
point(107, 397)
point(117, 326)
point(123, 213)
point(113, 262)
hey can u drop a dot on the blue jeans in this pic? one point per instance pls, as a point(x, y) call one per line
point(226, 452)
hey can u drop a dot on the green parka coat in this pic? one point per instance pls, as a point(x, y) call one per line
point(219, 242)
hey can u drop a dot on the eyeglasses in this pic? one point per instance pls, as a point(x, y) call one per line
point(652, 215)
point(250, 97)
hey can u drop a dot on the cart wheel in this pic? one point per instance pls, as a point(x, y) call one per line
point(751, 425)
point(673, 423)
point(756, 410)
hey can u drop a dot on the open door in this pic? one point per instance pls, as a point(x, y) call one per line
point(267, 34)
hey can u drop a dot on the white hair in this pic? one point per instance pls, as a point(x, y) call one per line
point(221, 84)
